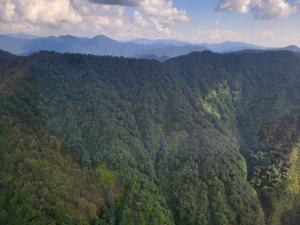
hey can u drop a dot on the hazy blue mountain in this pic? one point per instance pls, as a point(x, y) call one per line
point(12, 45)
point(161, 49)
point(173, 51)
point(98, 45)
point(60, 44)
point(22, 35)
point(229, 46)
point(102, 45)
point(160, 42)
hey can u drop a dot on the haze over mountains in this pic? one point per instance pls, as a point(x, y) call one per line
point(23, 44)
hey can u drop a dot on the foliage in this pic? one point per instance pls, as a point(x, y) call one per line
point(203, 139)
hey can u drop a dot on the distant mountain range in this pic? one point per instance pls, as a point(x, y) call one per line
point(160, 42)
point(161, 49)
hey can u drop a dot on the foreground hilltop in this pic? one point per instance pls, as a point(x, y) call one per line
point(200, 139)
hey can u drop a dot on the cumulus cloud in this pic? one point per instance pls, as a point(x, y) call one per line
point(39, 11)
point(155, 15)
point(262, 9)
point(118, 17)
point(158, 15)
point(269, 9)
point(241, 6)
point(7, 10)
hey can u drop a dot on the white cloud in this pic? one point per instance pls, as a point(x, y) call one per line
point(262, 9)
point(7, 10)
point(158, 15)
point(119, 18)
point(268, 9)
point(39, 11)
point(241, 6)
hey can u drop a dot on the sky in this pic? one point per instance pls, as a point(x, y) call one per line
point(262, 22)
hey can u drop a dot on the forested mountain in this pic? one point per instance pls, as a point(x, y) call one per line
point(201, 139)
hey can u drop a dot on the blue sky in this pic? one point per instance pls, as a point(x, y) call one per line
point(264, 22)
point(215, 25)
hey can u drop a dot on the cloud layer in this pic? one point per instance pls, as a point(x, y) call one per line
point(120, 18)
point(127, 18)
point(262, 9)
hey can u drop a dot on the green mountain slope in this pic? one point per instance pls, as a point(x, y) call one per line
point(200, 139)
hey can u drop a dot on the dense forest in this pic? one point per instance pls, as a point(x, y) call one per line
point(201, 139)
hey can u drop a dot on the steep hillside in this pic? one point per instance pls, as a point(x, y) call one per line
point(266, 85)
point(200, 139)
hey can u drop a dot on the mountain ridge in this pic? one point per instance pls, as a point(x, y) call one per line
point(103, 45)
